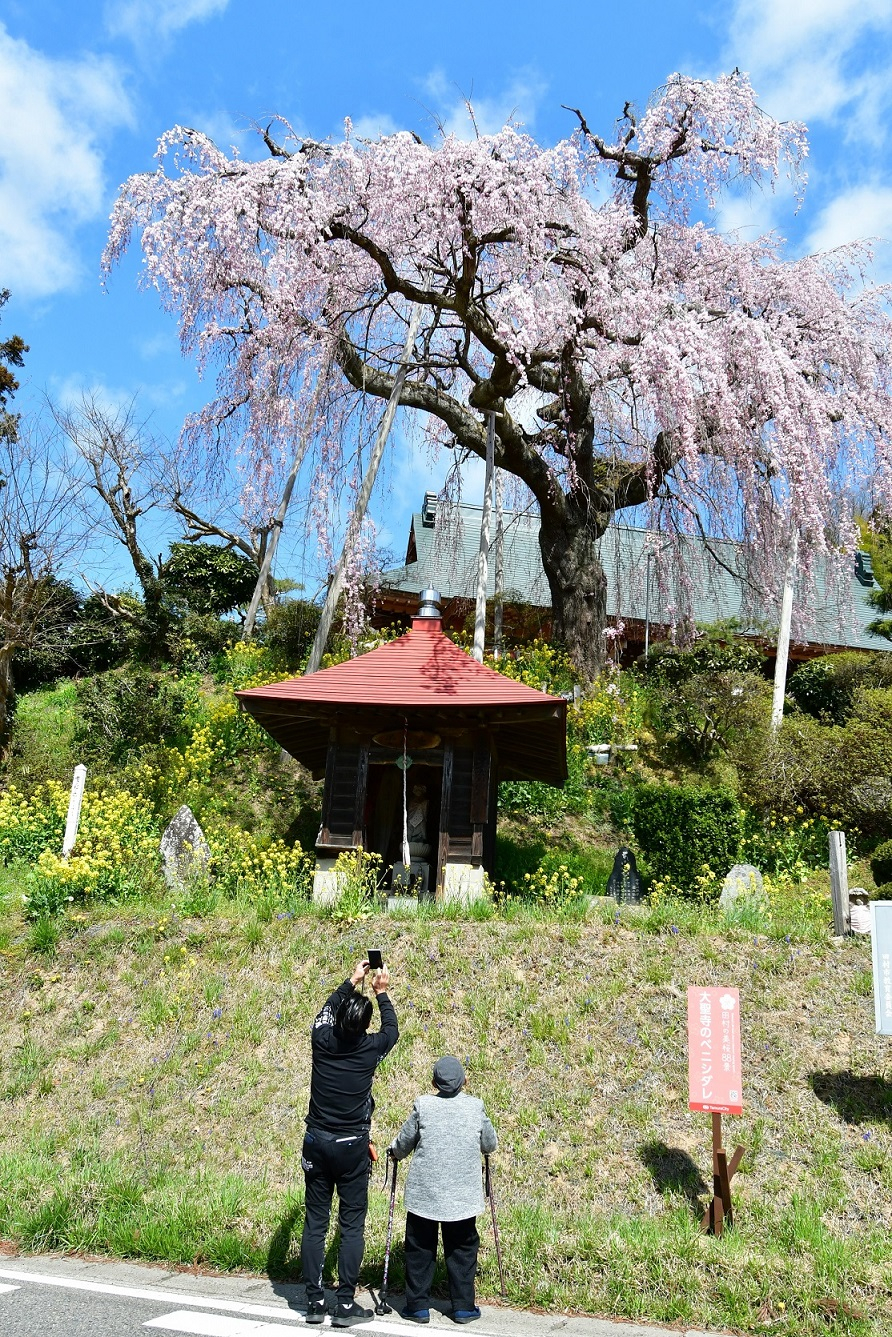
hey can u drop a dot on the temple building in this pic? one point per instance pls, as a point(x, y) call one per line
point(412, 739)
point(442, 551)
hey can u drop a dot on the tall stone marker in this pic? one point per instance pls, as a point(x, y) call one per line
point(184, 849)
point(624, 884)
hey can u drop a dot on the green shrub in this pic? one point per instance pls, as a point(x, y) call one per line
point(208, 578)
point(881, 863)
point(709, 711)
point(517, 864)
point(838, 773)
point(289, 630)
point(128, 708)
point(826, 688)
point(681, 829)
point(200, 639)
point(671, 665)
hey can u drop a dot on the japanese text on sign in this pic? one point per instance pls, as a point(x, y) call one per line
point(714, 1075)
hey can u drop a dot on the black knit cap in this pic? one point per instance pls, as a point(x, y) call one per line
point(449, 1076)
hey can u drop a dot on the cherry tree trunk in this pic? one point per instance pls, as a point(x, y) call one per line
point(578, 590)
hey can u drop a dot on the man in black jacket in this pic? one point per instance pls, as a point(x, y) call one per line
point(336, 1143)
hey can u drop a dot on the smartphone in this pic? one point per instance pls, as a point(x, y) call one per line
point(375, 959)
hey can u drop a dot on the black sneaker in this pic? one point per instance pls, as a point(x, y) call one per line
point(465, 1315)
point(345, 1316)
point(316, 1311)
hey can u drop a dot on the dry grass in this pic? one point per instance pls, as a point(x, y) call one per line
point(154, 1077)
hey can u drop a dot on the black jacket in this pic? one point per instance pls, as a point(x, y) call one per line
point(343, 1067)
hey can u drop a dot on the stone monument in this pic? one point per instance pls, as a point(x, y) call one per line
point(624, 884)
point(744, 882)
point(184, 849)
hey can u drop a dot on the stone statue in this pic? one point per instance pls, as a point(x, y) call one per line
point(416, 813)
point(859, 910)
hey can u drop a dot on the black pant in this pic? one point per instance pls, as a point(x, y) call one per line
point(334, 1161)
point(460, 1245)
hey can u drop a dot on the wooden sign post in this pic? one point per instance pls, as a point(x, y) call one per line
point(74, 810)
point(714, 1083)
point(839, 883)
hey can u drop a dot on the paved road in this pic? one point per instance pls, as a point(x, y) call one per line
point(70, 1297)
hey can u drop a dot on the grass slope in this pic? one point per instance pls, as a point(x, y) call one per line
point(154, 1078)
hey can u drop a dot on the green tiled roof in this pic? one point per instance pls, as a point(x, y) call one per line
point(447, 560)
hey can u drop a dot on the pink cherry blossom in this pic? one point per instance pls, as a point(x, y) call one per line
point(709, 382)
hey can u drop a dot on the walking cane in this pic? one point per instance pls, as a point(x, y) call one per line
point(382, 1307)
point(491, 1194)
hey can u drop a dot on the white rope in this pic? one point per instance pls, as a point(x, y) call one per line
point(407, 858)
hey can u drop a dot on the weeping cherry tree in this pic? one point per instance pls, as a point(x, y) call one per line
point(637, 358)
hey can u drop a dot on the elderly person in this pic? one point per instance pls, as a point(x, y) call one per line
point(447, 1131)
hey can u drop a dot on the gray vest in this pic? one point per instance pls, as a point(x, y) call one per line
point(447, 1135)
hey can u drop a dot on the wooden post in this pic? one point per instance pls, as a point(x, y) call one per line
point(362, 501)
point(499, 591)
point(650, 557)
point(720, 1211)
point(74, 810)
point(483, 555)
point(783, 639)
point(278, 523)
point(839, 883)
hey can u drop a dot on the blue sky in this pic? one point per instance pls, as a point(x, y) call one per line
point(87, 88)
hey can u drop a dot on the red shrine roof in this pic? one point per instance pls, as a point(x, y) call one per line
point(427, 676)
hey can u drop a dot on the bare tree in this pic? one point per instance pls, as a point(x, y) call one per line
point(42, 536)
point(132, 474)
point(122, 460)
point(223, 521)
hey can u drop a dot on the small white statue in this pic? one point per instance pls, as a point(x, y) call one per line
point(859, 910)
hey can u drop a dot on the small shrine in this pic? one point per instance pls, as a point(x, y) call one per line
point(412, 740)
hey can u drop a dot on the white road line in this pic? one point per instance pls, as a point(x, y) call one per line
point(5, 1289)
point(157, 1293)
point(215, 1325)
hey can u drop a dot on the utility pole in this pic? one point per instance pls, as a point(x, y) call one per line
point(483, 555)
point(783, 638)
point(362, 501)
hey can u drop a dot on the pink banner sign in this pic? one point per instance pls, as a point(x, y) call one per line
point(714, 1051)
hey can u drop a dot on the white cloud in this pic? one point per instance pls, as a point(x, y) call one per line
point(140, 19)
point(860, 213)
point(813, 59)
point(54, 114)
point(518, 101)
point(70, 391)
point(374, 125)
point(228, 132)
point(864, 211)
